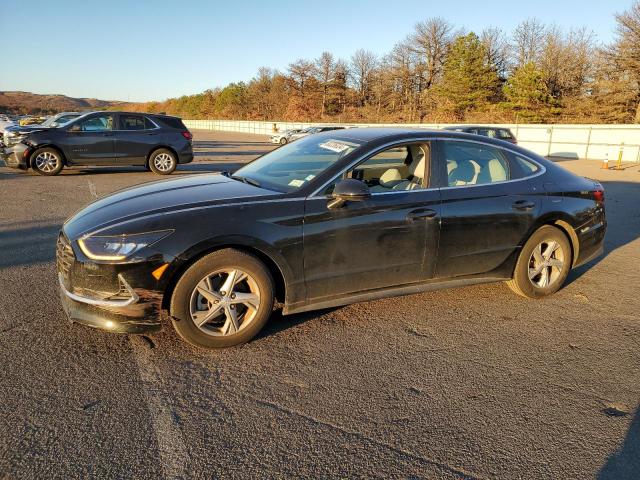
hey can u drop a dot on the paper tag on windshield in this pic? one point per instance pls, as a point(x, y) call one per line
point(296, 183)
point(334, 146)
point(309, 177)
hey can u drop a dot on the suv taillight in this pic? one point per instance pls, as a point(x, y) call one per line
point(598, 195)
point(187, 135)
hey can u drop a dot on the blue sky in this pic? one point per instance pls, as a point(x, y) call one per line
point(152, 50)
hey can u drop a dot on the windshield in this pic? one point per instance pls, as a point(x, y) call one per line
point(290, 167)
point(57, 121)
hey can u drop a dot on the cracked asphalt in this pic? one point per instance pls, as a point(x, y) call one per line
point(472, 382)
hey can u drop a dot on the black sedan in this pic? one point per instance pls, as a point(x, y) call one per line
point(335, 218)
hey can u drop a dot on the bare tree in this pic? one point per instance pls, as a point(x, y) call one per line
point(363, 64)
point(627, 50)
point(430, 41)
point(498, 50)
point(528, 38)
point(325, 69)
point(566, 61)
point(300, 72)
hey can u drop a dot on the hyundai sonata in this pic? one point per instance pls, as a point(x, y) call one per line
point(334, 218)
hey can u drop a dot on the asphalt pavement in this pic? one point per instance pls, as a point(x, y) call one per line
point(472, 382)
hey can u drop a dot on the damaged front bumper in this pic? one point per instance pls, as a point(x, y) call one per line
point(102, 295)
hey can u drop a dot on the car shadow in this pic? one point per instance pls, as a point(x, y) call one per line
point(279, 322)
point(624, 463)
point(28, 243)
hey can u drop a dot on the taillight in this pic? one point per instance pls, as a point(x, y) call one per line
point(187, 135)
point(598, 195)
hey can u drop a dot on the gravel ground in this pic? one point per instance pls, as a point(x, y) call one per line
point(472, 382)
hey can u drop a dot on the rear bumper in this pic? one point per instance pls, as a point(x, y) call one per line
point(591, 241)
point(186, 154)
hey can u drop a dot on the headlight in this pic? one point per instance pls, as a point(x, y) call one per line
point(118, 247)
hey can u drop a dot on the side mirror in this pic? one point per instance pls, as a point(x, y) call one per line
point(348, 190)
point(74, 128)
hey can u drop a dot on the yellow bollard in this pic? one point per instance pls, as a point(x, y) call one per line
point(619, 162)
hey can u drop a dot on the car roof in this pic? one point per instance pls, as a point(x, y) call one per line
point(452, 127)
point(382, 135)
point(129, 113)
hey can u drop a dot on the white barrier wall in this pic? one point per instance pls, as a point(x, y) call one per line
point(562, 141)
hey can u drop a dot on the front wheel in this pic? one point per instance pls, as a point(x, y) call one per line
point(543, 264)
point(223, 299)
point(163, 162)
point(46, 161)
point(283, 141)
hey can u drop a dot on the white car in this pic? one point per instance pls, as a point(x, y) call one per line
point(284, 137)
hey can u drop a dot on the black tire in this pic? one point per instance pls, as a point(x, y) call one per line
point(46, 161)
point(162, 161)
point(182, 300)
point(527, 264)
point(283, 141)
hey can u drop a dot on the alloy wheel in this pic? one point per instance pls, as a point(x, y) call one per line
point(225, 302)
point(546, 264)
point(47, 162)
point(163, 162)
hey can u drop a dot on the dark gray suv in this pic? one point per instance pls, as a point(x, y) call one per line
point(157, 142)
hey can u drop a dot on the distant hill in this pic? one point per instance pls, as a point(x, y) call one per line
point(33, 103)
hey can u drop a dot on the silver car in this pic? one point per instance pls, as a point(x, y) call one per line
point(312, 130)
point(283, 137)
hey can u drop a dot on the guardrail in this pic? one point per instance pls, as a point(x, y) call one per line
point(561, 141)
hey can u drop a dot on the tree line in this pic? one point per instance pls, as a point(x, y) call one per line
point(536, 73)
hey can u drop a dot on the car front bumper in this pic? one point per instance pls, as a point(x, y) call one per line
point(15, 156)
point(120, 298)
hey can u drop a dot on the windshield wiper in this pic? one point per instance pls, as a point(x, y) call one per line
point(248, 180)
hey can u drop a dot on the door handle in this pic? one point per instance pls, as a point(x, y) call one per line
point(523, 205)
point(420, 214)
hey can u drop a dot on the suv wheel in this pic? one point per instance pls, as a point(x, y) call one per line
point(223, 299)
point(46, 161)
point(163, 162)
point(543, 264)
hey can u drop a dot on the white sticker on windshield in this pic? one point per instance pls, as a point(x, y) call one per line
point(334, 146)
point(296, 183)
point(309, 177)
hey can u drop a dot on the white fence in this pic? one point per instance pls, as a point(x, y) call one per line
point(561, 141)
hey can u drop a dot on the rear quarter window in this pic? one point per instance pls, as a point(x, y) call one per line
point(522, 167)
point(171, 122)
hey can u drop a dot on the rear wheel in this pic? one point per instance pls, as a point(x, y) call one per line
point(162, 162)
point(46, 161)
point(543, 264)
point(223, 299)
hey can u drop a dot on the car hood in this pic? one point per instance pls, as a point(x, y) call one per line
point(26, 129)
point(164, 196)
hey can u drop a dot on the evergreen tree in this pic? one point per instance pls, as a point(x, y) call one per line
point(469, 82)
point(527, 93)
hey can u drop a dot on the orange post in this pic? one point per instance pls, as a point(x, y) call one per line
point(605, 162)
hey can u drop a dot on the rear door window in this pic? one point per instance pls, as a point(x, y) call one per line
point(132, 122)
point(504, 134)
point(474, 164)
